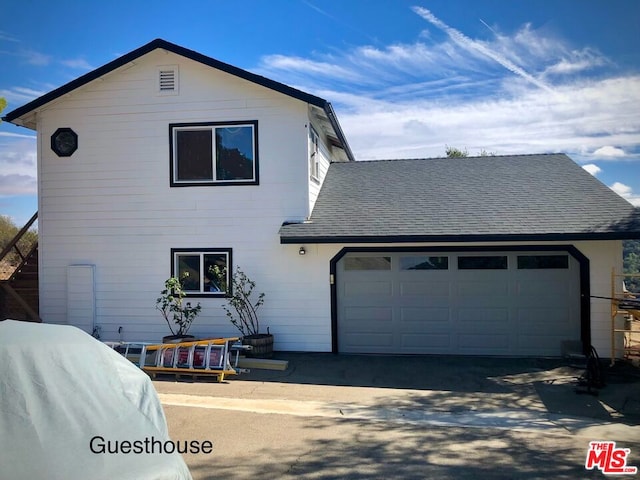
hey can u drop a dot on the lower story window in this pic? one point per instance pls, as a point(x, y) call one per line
point(204, 271)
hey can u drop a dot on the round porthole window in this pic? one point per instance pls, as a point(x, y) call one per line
point(64, 142)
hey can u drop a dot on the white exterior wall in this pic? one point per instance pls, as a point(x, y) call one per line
point(602, 255)
point(110, 204)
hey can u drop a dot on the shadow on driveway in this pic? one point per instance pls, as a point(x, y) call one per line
point(458, 382)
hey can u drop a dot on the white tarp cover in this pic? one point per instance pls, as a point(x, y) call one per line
point(59, 388)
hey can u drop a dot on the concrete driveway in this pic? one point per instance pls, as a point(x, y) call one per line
point(335, 416)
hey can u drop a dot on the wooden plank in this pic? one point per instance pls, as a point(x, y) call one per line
point(262, 363)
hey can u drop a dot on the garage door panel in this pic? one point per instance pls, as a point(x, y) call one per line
point(368, 288)
point(416, 315)
point(483, 315)
point(540, 288)
point(487, 342)
point(354, 315)
point(541, 345)
point(367, 342)
point(541, 321)
point(425, 289)
point(483, 288)
point(425, 343)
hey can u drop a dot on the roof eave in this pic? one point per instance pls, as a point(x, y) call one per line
point(541, 237)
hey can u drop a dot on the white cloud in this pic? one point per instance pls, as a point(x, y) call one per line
point(412, 99)
point(592, 168)
point(15, 184)
point(626, 192)
point(17, 96)
point(18, 156)
point(578, 119)
point(36, 58)
point(7, 37)
point(78, 63)
point(17, 135)
point(308, 67)
point(609, 151)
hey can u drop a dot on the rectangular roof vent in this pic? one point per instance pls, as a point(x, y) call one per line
point(168, 80)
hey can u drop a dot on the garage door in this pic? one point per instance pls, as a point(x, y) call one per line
point(471, 303)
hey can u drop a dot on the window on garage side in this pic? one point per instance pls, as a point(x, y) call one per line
point(536, 262)
point(196, 269)
point(367, 263)
point(482, 262)
point(424, 263)
point(214, 153)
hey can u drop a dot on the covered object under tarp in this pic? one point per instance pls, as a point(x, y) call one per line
point(63, 396)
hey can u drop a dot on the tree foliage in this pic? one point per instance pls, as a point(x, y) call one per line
point(242, 307)
point(171, 304)
point(453, 152)
point(8, 231)
point(631, 260)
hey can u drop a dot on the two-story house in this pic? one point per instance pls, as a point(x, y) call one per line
point(165, 162)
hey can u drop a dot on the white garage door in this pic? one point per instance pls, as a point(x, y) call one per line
point(471, 303)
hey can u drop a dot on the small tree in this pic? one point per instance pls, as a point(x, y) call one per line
point(241, 309)
point(174, 309)
point(453, 152)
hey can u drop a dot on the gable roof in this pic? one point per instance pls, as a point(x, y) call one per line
point(15, 115)
point(496, 198)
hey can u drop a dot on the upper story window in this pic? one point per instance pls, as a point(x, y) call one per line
point(314, 155)
point(214, 153)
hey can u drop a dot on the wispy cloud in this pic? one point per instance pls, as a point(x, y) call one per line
point(7, 37)
point(17, 135)
point(77, 63)
point(36, 58)
point(19, 95)
point(465, 42)
point(523, 92)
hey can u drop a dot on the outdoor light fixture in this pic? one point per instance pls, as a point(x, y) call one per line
point(302, 251)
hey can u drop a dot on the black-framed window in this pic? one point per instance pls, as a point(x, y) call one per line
point(314, 155)
point(424, 262)
point(540, 262)
point(484, 262)
point(367, 263)
point(202, 271)
point(214, 153)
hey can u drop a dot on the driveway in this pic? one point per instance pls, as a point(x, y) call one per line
point(338, 416)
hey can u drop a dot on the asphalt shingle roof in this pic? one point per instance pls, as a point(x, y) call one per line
point(519, 197)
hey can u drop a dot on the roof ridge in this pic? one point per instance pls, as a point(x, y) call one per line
point(414, 159)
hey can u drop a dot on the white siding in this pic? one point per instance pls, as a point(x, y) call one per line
point(110, 204)
point(81, 296)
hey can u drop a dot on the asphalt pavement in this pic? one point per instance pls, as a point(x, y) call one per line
point(359, 417)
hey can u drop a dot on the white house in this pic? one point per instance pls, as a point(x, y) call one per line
point(165, 161)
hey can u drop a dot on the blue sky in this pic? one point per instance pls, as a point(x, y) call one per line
point(407, 78)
